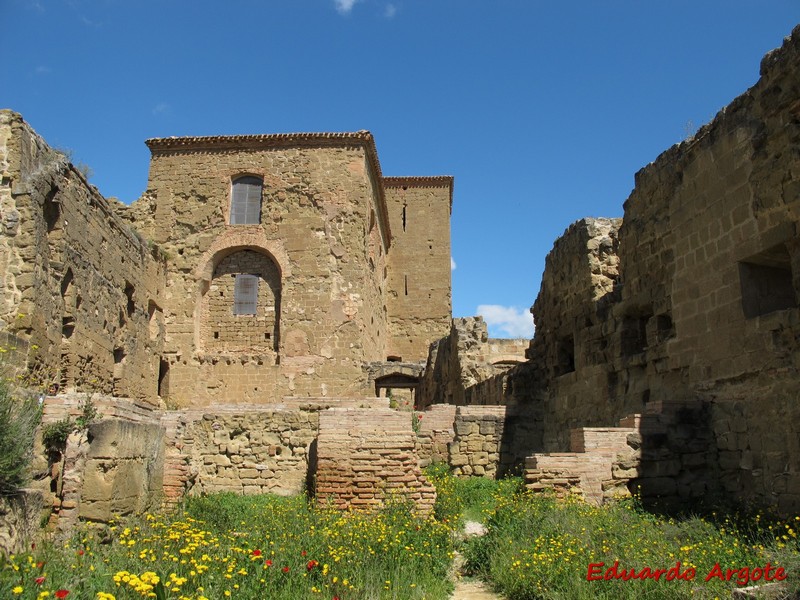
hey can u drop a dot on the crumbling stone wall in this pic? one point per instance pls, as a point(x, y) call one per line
point(112, 469)
point(243, 449)
point(435, 433)
point(79, 289)
point(20, 516)
point(493, 441)
point(419, 300)
point(572, 349)
point(462, 360)
point(703, 308)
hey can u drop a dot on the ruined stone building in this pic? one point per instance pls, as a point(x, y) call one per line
point(677, 325)
point(270, 286)
point(252, 268)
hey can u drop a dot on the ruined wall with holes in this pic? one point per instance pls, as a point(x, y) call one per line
point(419, 300)
point(79, 289)
point(693, 300)
point(463, 359)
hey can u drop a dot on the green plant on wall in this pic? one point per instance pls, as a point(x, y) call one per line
point(54, 435)
point(19, 417)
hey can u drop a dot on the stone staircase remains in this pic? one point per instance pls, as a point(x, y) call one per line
point(600, 465)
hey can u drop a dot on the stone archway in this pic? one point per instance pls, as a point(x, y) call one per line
point(240, 304)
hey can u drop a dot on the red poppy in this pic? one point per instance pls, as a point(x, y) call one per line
point(285, 569)
point(39, 580)
point(39, 565)
point(80, 552)
point(62, 594)
point(336, 598)
point(311, 564)
point(303, 553)
point(256, 552)
point(267, 563)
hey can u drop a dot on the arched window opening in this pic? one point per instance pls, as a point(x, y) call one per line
point(246, 201)
point(241, 307)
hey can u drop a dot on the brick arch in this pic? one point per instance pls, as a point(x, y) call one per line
point(232, 241)
point(210, 335)
point(225, 323)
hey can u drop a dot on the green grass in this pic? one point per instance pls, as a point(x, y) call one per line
point(250, 547)
point(538, 547)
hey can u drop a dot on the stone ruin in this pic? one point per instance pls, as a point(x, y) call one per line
point(250, 322)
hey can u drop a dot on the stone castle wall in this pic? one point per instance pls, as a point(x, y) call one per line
point(321, 245)
point(79, 289)
point(419, 298)
point(694, 303)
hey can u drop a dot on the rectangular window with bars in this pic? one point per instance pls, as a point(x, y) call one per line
point(245, 294)
point(246, 201)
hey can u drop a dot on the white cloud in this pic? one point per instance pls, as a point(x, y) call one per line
point(162, 108)
point(344, 6)
point(452, 264)
point(507, 321)
point(391, 11)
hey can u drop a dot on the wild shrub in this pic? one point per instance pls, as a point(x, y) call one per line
point(19, 417)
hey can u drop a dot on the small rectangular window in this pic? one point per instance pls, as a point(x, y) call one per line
point(767, 282)
point(246, 201)
point(245, 294)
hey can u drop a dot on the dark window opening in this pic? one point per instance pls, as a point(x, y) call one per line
point(392, 358)
point(216, 335)
point(634, 335)
point(163, 378)
point(129, 290)
point(566, 355)
point(766, 282)
point(52, 211)
point(246, 201)
point(67, 327)
point(119, 355)
point(405, 284)
point(404, 217)
point(267, 336)
point(613, 382)
point(665, 328)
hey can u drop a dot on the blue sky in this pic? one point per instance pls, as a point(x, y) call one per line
point(543, 111)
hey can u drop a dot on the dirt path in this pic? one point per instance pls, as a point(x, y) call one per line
point(471, 589)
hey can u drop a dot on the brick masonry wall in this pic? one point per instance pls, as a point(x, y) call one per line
point(361, 465)
point(257, 333)
point(78, 287)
